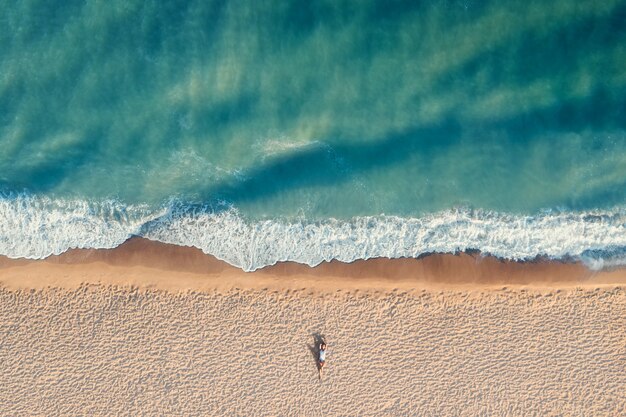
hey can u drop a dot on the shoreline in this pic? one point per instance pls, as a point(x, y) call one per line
point(149, 264)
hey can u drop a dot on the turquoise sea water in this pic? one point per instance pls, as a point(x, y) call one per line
point(312, 130)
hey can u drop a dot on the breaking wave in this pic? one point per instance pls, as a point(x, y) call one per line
point(36, 227)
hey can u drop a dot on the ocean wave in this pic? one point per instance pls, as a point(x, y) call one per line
point(37, 227)
point(34, 227)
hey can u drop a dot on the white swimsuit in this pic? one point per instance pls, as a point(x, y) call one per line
point(322, 355)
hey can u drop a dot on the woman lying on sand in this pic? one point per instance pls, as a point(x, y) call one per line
point(322, 357)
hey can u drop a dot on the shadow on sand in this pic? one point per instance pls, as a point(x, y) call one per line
point(315, 351)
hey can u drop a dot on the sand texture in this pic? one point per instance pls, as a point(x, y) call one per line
point(155, 329)
point(109, 350)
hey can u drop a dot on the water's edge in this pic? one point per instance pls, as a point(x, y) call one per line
point(37, 227)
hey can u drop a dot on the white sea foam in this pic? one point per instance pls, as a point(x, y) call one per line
point(37, 227)
point(253, 244)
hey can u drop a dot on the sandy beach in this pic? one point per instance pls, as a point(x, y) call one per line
point(437, 189)
point(154, 329)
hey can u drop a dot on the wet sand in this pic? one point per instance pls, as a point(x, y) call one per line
point(150, 328)
point(149, 264)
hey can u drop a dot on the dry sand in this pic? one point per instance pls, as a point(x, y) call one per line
point(159, 330)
